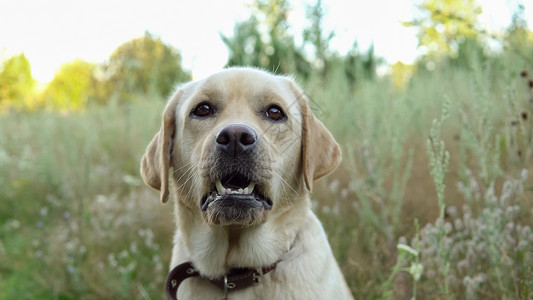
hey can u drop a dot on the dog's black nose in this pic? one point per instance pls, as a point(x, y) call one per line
point(236, 139)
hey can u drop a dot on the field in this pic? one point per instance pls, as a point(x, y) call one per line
point(419, 208)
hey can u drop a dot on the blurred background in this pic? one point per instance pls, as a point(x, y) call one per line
point(431, 101)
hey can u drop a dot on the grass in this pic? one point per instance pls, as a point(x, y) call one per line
point(76, 221)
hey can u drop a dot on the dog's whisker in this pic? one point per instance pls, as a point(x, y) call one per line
point(195, 183)
point(283, 181)
point(187, 171)
point(290, 176)
point(183, 166)
point(187, 180)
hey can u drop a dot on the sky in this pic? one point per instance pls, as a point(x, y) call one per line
point(53, 32)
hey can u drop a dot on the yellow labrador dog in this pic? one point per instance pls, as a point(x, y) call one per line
point(240, 150)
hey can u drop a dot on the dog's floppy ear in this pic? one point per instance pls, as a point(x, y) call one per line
point(156, 161)
point(320, 152)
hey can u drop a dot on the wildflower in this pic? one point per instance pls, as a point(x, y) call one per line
point(66, 215)
point(131, 180)
point(69, 246)
point(123, 254)
point(416, 270)
point(112, 260)
point(407, 249)
point(334, 185)
point(70, 269)
point(402, 240)
point(523, 174)
point(448, 227)
point(452, 211)
point(344, 193)
point(133, 247)
point(463, 265)
point(14, 224)
point(458, 224)
point(39, 224)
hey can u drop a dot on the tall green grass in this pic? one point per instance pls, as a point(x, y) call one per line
point(76, 221)
point(464, 180)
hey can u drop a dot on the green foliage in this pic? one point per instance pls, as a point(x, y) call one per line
point(71, 87)
point(360, 66)
point(443, 25)
point(406, 256)
point(76, 222)
point(518, 37)
point(263, 41)
point(144, 66)
point(439, 158)
point(16, 82)
point(480, 255)
point(246, 47)
point(387, 165)
point(316, 36)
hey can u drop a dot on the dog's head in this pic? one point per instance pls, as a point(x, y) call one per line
point(240, 144)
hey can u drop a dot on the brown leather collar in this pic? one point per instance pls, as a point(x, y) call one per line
point(236, 279)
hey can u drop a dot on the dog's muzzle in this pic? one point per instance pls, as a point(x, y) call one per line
point(235, 197)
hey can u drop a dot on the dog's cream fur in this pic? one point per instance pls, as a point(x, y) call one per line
point(289, 156)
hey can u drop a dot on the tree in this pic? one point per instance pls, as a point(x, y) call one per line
point(263, 40)
point(16, 82)
point(401, 74)
point(518, 37)
point(314, 34)
point(143, 65)
point(443, 25)
point(246, 46)
point(358, 66)
point(71, 87)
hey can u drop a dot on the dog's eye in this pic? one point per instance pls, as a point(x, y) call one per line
point(202, 110)
point(275, 113)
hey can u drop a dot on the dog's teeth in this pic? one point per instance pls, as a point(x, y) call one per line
point(220, 189)
point(250, 188)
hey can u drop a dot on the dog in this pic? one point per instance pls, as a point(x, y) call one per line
point(239, 152)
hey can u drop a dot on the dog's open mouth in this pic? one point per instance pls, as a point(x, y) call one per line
point(235, 196)
point(234, 184)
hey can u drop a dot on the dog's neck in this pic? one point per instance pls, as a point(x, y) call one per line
point(215, 250)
